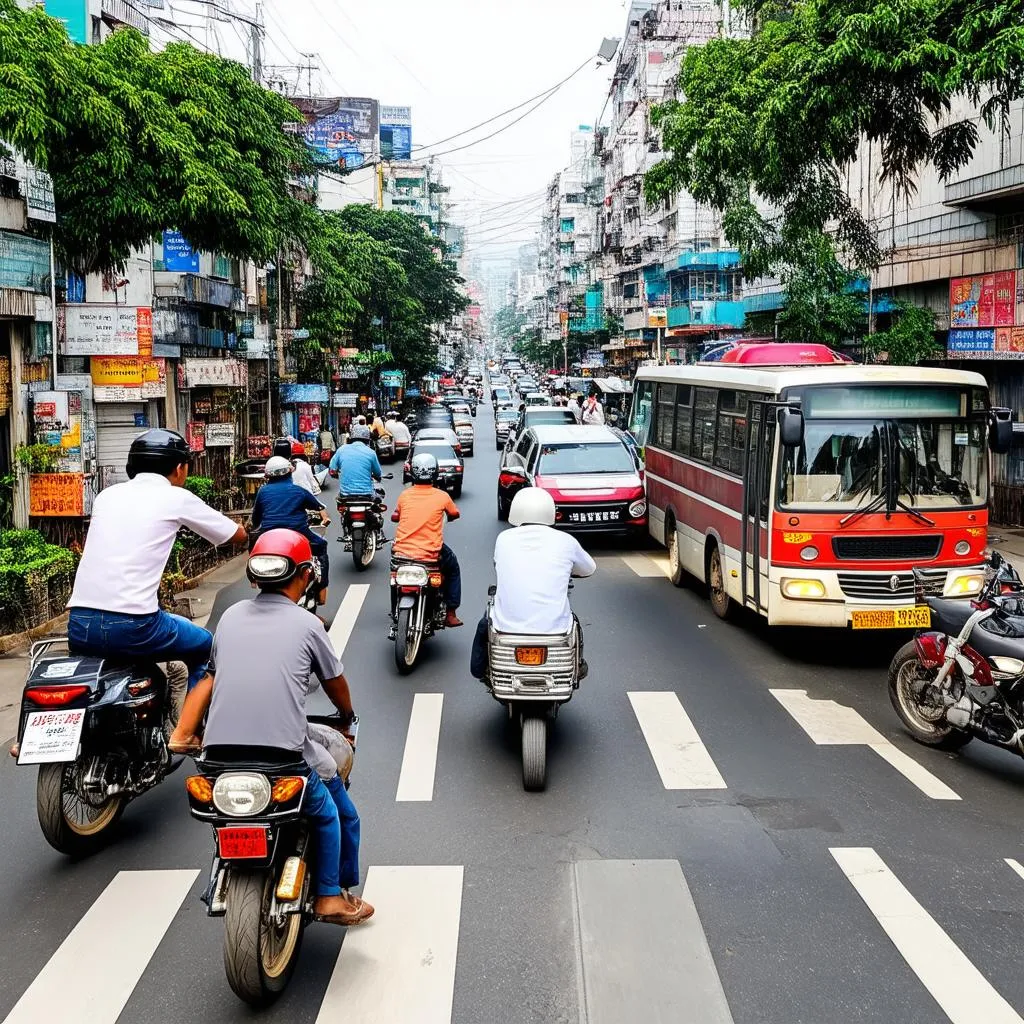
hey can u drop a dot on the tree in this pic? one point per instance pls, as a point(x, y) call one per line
point(909, 339)
point(508, 323)
point(137, 142)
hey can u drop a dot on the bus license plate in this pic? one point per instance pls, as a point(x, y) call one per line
point(893, 618)
point(242, 843)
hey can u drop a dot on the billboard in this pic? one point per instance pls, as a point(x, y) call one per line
point(102, 329)
point(178, 254)
point(986, 300)
point(341, 130)
point(395, 132)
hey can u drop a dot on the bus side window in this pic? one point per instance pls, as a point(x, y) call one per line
point(640, 414)
point(664, 424)
point(684, 419)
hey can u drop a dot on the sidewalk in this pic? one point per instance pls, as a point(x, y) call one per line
point(1009, 542)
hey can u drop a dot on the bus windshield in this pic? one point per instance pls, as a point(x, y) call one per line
point(843, 464)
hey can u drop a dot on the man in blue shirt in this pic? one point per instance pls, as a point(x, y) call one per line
point(282, 504)
point(357, 463)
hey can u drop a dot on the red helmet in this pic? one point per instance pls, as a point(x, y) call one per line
point(278, 555)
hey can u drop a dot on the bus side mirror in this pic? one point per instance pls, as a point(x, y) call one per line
point(791, 427)
point(1000, 431)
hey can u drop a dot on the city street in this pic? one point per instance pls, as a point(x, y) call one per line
point(717, 841)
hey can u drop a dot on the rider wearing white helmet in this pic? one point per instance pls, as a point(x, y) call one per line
point(533, 563)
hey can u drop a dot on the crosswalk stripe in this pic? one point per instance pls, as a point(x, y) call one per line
point(682, 760)
point(345, 619)
point(399, 967)
point(645, 958)
point(419, 762)
point(94, 972)
point(1015, 865)
point(959, 988)
point(831, 724)
point(647, 565)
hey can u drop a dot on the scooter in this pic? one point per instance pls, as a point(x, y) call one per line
point(362, 525)
point(418, 609)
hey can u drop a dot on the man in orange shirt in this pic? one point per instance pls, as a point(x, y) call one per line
point(420, 513)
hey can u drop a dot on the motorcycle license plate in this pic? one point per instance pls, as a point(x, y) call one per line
point(893, 618)
point(51, 736)
point(531, 655)
point(242, 843)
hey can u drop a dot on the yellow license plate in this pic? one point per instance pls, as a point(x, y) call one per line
point(531, 655)
point(893, 618)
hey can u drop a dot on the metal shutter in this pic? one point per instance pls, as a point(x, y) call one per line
point(115, 431)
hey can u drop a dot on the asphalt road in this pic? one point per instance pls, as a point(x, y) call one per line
point(829, 881)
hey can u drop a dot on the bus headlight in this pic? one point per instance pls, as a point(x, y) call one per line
point(963, 547)
point(809, 553)
point(965, 585)
point(803, 589)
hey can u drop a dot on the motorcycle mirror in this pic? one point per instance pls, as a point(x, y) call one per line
point(791, 427)
point(1000, 432)
point(388, 476)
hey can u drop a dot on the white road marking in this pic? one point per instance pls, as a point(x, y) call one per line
point(832, 724)
point(647, 565)
point(416, 780)
point(345, 621)
point(399, 967)
point(1016, 866)
point(94, 972)
point(959, 988)
point(681, 758)
point(645, 958)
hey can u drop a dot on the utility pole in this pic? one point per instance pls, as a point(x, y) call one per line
point(256, 36)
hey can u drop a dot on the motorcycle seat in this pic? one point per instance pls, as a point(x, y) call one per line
point(402, 560)
point(236, 757)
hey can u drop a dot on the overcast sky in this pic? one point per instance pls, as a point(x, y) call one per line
point(456, 63)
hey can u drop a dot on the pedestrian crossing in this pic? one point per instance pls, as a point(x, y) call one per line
point(640, 939)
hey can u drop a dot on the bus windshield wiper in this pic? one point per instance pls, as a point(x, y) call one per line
point(876, 504)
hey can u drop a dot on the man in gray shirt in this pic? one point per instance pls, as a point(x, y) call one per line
point(268, 656)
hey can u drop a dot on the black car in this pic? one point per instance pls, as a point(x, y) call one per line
point(504, 421)
point(448, 460)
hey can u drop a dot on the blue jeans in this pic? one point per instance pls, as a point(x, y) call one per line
point(337, 834)
point(159, 636)
point(452, 577)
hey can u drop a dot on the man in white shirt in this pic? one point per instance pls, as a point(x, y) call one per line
point(592, 412)
point(295, 452)
point(114, 608)
point(574, 407)
point(533, 563)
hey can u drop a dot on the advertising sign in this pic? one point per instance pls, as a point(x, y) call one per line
point(98, 329)
point(392, 379)
point(259, 446)
point(39, 201)
point(127, 378)
point(220, 435)
point(987, 300)
point(179, 256)
point(206, 373)
point(195, 434)
point(344, 401)
point(56, 494)
point(342, 131)
point(293, 394)
point(395, 132)
point(657, 316)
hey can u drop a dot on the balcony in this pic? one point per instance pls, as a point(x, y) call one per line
point(200, 291)
point(706, 313)
point(710, 259)
point(122, 12)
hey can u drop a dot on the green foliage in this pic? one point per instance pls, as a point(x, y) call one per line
point(910, 339)
point(138, 141)
point(7, 482)
point(38, 458)
point(28, 567)
point(202, 487)
point(508, 323)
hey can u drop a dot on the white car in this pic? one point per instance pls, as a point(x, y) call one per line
point(465, 432)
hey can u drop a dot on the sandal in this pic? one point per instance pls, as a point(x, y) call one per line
point(362, 913)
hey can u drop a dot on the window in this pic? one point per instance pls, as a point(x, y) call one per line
point(684, 418)
point(664, 424)
point(705, 412)
point(568, 223)
point(221, 266)
point(732, 431)
point(640, 414)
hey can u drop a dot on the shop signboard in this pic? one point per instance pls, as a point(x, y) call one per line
point(99, 329)
point(294, 394)
point(127, 378)
point(179, 256)
point(971, 343)
point(392, 378)
point(985, 300)
point(39, 201)
point(195, 435)
point(344, 400)
point(212, 373)
point(309, 418)
point(56, 494)
point(657, 316)
point(348, 353)
point(259, 446)
point(220, 435)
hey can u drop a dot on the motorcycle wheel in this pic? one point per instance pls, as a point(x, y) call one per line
point(258, 958)
point(926, 723)
point(407, 642)
point(69, 823)
point(363, 550)
point(535, 742)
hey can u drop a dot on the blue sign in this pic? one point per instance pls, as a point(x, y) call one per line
point(311, 394)
point(75, 287)
point(347, 135)
point(396, 141)
point(972, 339)
point(391, 378)
point(179, 256)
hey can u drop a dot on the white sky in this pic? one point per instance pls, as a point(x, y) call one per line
point(456, 63)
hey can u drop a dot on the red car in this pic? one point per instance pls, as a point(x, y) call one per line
point(592, 475)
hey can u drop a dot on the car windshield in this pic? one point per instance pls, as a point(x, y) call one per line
point(507, 416)
point(844, 464)
point(585, 457)
point(441, 451)
point(550, 416)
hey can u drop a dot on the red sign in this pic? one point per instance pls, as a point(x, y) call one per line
point(240, 842)
point(45, 410)
point(56, 494)
point(987, 300)
point(259, 447)
point(195, 434)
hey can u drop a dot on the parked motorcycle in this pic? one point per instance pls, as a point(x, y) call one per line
point(97, 731)
point(362, 525)
point(965, 679)
point(262, 880)
point(418, 609)
point(532, 677)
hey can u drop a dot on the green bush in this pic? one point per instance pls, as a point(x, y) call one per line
point(35, 578)
point(202, 487)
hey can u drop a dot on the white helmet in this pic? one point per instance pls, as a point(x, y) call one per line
point(532, 505)
point(277, 466)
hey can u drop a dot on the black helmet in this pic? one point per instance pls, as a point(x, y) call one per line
point(424, 469)
point(283, 447)
point(157, 451)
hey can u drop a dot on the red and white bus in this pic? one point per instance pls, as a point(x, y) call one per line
point(808, 493)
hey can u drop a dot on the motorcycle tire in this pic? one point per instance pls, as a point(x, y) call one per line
point(407, 648)
point(363, 550)
point(457, 490)
point(932, 731)
point(259, 960)
point(535, 742)
point(56, 796)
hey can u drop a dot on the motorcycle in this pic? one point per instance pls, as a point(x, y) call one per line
point(386, 448)
point(97, 730)
point(966, 678)
point(262, 879)
point(362, 525)
point(417, 608)
point(532, 677)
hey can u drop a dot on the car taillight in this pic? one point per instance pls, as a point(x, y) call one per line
point(458, 469)
point(508, 479)
point(54, 696)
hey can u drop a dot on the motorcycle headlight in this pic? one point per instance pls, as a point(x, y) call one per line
point(241, 794)
point(637, 509)
point(411, 576)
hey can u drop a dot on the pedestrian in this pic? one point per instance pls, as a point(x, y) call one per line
point(592, 413)
point(574, 407)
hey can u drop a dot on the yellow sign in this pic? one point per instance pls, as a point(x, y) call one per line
point(73, 437)
point(56, 494)
point(796, 538)
point(893, 618)
point(112, 370)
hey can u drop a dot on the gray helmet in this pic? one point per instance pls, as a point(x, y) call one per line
point(359, 432)
point(424, 469)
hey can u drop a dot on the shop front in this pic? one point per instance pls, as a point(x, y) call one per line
point(213, 394)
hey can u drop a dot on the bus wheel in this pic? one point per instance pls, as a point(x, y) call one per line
point(721, 602)
point(675, 562)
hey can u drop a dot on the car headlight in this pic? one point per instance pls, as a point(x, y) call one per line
point(802, 589)
point(964, 585)
point(411, 576)
point(637, 509)
point(809, 553)
point(241, 793)
point(963, 547)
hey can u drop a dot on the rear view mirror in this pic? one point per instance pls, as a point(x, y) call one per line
point(1000, 431)
point(791, 427)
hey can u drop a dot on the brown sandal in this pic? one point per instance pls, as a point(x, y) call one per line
point(362, 913)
